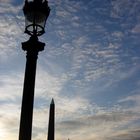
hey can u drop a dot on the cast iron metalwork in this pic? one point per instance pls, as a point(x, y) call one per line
point(36, 13)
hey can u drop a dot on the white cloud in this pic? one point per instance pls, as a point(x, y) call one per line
point(9, 118)
point(136, 29)
point(7, 7)
point(135, 98)
point(122, 8)
point(79, 55)
point(101, 126)
point(11, 86)
point(6, 1)
point(10, 30)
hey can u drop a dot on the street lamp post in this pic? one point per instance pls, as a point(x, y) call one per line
point(36, 13)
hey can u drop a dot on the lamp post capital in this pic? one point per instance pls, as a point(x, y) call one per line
point(33, 44)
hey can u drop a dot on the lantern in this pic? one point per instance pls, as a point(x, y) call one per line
point(36, 13)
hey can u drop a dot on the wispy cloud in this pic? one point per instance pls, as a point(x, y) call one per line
point(102, 126)
point(136, 29)
point(90, 47)
point(10, 22)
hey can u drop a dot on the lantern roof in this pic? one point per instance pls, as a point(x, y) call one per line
point(36, 5)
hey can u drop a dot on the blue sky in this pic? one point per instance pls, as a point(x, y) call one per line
point(90, 66)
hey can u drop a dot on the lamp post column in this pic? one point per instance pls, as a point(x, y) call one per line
point(32, 46)
point(36, 13)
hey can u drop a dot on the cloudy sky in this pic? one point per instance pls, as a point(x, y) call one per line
point(90, 66)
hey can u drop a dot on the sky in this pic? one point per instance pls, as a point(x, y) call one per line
point(90, 66)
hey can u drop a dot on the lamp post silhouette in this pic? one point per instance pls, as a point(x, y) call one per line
point(36, 13)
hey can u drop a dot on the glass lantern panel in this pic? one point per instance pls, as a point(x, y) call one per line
point(35, 22)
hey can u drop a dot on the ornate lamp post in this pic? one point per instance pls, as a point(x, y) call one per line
point(36, 13)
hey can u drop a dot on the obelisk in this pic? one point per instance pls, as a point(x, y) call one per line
point(51, 126)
